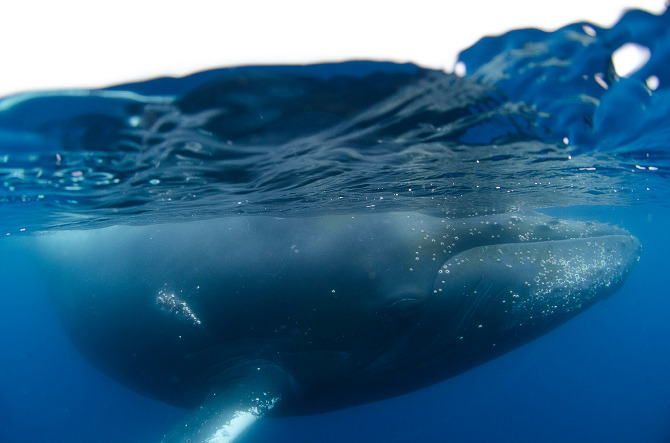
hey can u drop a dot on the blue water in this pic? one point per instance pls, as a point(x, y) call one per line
point(541, 120)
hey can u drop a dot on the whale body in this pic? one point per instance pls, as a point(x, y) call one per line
point(238, 317)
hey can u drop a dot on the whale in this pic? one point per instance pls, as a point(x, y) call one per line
point(239, 317)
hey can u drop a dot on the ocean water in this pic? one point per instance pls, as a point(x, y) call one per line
point(536, 121)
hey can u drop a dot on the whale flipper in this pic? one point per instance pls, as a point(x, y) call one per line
point(524, 285)
point(229, 410)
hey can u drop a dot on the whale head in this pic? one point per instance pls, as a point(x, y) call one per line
point(507, 280)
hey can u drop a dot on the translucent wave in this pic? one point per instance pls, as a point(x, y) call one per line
point(540, 119)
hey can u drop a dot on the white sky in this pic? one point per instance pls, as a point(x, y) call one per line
point(84, 43)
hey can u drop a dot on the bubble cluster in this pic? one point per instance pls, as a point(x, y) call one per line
point(169, 302)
